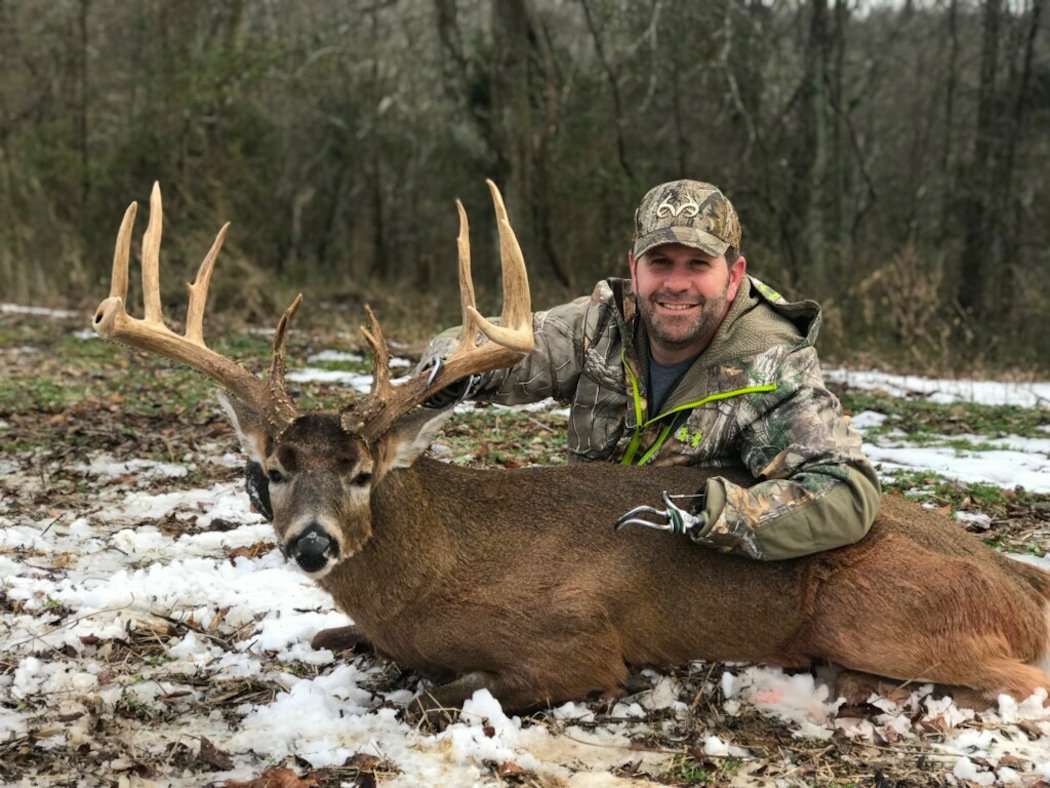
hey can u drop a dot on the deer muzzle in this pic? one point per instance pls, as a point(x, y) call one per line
point(313, 548)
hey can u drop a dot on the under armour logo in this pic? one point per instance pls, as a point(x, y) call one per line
point(667, 209)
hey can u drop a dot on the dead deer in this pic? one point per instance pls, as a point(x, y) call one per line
point(515, 580)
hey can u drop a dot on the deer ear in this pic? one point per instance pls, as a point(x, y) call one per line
point(411, 435)
point(249, 426)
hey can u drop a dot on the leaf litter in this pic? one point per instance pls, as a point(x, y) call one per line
point(150, 630)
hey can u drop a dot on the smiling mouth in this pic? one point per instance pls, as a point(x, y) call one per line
point(676, 307)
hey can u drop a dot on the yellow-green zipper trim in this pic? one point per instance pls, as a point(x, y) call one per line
point(634, 389)
point(632, 447)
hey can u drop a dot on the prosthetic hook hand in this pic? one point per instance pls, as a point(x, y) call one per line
point(452, 394)
point(672, 518)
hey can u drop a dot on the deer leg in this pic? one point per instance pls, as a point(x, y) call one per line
point(341, 639)
point(1009, 676)
point(856, 686)
point(439, 706)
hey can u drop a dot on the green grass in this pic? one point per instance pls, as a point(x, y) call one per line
point(926, 421)
point(491, 437)
point(37, 394)
point(934, 488)
point(362, 367)
point(243, 346)
point(688, 770)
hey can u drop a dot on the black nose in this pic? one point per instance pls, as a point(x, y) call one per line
point(310, 549)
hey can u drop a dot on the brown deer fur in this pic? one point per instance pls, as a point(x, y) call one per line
point(516, 581)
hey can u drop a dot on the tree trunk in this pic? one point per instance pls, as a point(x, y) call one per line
point(82, 120)
point(978, 250)
point(816, 113)
point(947, 159)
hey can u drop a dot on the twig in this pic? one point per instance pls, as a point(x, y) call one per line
point(69, 623)
point(48, 527)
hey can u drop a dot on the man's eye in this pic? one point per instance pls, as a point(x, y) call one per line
point(361, 479)
point(275, 476)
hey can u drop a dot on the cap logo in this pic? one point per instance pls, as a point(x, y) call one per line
point(668, 209)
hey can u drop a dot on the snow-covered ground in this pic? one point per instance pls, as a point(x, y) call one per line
point(944, 391)
point(1011, 462)
point(222, 606)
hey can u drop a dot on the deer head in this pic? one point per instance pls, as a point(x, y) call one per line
point(322, 467)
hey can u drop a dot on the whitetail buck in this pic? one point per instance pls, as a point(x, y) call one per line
point(515, 580)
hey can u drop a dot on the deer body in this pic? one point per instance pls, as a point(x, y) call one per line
point(549, 603)
point(516, 581)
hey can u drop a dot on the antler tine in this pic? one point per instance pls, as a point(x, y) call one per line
point(376, 414)
point(283, 409)
point(468, 336)
point(515, 329)
point(111, 320)
point(380, 356)
point(118, 284)
point(151, 258)
point(198, 291)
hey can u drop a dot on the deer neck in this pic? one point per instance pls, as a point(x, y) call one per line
point(411, 549)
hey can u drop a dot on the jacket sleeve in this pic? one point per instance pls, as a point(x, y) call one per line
point(552, 369)
point(816, 491)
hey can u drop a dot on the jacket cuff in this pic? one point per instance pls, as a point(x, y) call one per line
point(715, 493)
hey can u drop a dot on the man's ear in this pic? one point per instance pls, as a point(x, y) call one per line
point(736, 276)
point(249, 426)
point(410, 437)
point(632, 266)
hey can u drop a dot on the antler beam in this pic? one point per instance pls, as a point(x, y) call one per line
point(268, 398)
point(507, 342)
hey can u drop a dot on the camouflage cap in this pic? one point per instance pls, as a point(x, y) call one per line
point(693, 213)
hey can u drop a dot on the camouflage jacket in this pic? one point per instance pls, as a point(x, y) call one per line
point(754, 399)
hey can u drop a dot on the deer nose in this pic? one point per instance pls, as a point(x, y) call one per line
point(310, 549)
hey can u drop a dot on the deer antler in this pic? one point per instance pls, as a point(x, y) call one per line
point(268, 398)
point(508, 341)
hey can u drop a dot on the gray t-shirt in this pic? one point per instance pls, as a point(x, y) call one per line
point(662, 379)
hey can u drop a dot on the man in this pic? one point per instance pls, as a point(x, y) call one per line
point(694, 362)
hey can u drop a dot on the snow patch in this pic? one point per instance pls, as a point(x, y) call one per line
point(945, 391)
point(39, 311)
point(104, 465)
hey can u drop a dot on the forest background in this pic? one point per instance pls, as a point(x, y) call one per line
point(891, 159)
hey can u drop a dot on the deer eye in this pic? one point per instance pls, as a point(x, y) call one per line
point(275, 476)
point(361, 479)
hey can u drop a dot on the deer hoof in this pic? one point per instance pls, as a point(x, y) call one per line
point(428, 714)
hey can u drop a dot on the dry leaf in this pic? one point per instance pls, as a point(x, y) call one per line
point(275, 777)
point(212, 757)
point(250, 551)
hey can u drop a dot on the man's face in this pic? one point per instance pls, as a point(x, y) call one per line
point(683, 295)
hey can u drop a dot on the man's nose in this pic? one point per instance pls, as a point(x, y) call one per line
point(677, 279)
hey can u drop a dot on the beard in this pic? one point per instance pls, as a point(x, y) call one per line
point(674, 332)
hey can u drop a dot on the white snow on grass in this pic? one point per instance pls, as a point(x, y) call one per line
point(359, 381)
point(38, 311)
point(143, 471)
point(355, 380)
point(396, 362)
point(1005, 460)
point(1007, 469)
point(941, 390)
